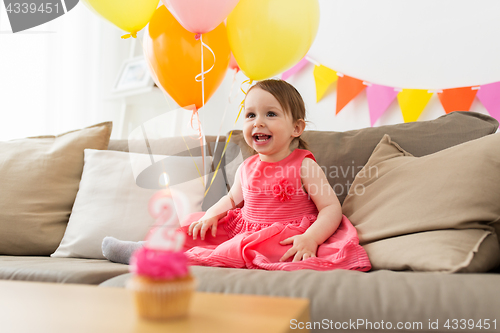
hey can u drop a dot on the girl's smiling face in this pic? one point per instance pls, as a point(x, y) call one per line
point(267, 128)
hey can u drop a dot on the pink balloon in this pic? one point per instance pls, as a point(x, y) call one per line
point(200, 16)
point(233, 64)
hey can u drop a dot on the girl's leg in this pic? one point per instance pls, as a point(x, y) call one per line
point(119, 251)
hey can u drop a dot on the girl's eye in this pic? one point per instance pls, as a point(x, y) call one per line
point(250, 115)
point(271, 114)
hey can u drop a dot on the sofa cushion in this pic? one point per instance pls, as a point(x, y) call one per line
point(432, 212)
point(346, 296)
point(39, 178)
point(59, 270)
point(110, 202)
point(342, 154)
point(183, 146)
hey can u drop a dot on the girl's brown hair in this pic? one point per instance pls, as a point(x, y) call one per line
point(289, 99)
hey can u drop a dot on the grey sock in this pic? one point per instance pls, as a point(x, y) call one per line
point(119, 251)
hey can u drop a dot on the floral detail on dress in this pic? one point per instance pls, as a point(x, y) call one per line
point(283, 190)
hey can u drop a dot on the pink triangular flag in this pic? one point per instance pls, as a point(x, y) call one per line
point(379, 98)
point(294, 69)
point(489, 95)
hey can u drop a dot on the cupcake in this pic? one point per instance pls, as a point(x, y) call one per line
point(161, 282)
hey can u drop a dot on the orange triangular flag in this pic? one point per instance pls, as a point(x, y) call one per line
point(347, 88)
point(457, 99)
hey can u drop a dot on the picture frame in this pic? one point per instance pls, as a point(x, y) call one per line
point(133, 77)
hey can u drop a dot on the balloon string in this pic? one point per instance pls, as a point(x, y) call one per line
point(250, 82)
point(202, 76)
point(230, 98)
point(198, 122)
point(202, 139)
point(218, 165)
point(242, 104)
point(197, 77)
point(200, 131)
point(225, 111)
point(196, 166)
point(132, 34)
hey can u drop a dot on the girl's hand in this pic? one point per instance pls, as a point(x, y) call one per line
point(303, 247)
point(202, 226)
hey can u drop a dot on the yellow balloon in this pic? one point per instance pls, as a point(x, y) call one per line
point(128, 15)
point(268, 37)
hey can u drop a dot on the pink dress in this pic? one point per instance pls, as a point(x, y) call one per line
point(275, 208)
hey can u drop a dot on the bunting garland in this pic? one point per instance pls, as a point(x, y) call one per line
point(411, 101)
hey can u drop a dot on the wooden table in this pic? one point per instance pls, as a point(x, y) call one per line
point(52, 308)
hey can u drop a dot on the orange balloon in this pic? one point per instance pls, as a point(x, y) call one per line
point(174, 56)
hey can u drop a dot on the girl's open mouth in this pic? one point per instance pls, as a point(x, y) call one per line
point(261, 138)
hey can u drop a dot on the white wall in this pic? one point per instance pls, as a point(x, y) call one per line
point(55, 77)
point(407, 44)
point(424, 44)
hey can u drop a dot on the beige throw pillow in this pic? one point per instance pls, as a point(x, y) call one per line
point(110, 202)
point(430, 213)
point(39, 179)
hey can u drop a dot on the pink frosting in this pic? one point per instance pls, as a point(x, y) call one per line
point(157, 264)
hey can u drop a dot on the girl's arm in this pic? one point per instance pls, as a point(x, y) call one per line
point(329, 216)
point(230, 201)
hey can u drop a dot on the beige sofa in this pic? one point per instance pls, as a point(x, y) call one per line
point(340, 300)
